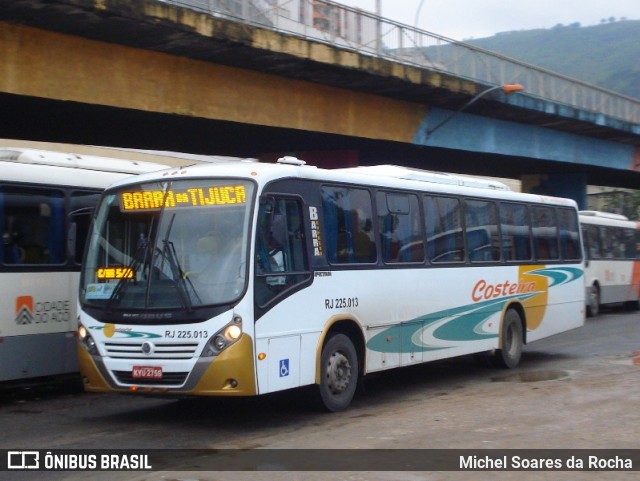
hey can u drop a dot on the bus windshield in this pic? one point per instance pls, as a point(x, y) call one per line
point(169, 245)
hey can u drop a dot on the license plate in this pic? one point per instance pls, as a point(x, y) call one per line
point(146, 372)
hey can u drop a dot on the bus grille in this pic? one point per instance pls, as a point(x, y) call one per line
point(168, 379)
point(159, 351)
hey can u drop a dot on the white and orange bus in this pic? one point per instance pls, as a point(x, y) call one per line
point(245, 278)
point(41, 251)
point(612, 251)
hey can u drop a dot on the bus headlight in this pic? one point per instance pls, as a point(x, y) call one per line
point(233, 332)
point(86, 339)
point(223, 338)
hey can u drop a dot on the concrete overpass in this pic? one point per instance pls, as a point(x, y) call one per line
point(152, 75)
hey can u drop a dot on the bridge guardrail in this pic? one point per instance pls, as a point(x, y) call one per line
point(370, 34)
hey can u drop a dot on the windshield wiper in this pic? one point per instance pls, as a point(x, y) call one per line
point(179, 277)
point(131, 268)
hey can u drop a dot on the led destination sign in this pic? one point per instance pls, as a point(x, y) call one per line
point(114, 273)
point(191, 197)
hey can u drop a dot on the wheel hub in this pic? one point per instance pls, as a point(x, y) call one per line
point(338, 373)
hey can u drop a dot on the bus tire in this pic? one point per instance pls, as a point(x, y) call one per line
point(593, 304)
point(511, 342)
point(338, 373)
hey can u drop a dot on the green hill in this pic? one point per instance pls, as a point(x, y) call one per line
point(607, 55)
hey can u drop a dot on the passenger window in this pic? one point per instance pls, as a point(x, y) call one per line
point(443, 220)
point(349, 236)
point(483, 241)
point(592, 241)
point(281, 255)
point(569, 234)
point(630, 244)
point(400, 228)
point(33, 226)
point(545, 233)
point(516, 232)
point(616, 242)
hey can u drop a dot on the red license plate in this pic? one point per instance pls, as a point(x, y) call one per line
point(146, 372)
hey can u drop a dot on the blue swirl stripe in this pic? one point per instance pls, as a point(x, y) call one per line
point(459, 324)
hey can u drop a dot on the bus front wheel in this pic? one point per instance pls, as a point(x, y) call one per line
point(511, 342)
point(593, 306)
point(338, 373)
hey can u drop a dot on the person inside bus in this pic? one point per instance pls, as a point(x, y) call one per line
point(363, 244)
point(13, 254)
point(271, 245)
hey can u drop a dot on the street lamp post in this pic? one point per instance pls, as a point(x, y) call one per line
point(418, 14)
point(506, 88)
point(379, 27)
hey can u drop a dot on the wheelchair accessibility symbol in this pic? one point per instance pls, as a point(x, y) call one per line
point(284, 367)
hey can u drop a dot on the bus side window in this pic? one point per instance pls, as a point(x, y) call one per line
point(608, 242)
point(630, 244)
point(33, 223)
point(483, 242)
point(348, 223)
point(592, 241)
point(545, 233)
point(400, 228)
point(617, 242)
point(516, 232)
point(569, 234)
point(443, 220)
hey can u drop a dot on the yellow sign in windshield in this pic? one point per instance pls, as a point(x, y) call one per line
point(192, 197)
point(114, 273)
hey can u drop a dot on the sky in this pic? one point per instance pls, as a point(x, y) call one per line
point(467, 19)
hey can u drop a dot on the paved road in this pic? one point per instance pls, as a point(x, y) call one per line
point(577, 390)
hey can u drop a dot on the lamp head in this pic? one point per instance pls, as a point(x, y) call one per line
point(512, 88)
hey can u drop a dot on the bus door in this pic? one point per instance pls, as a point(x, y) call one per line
point(281, 270)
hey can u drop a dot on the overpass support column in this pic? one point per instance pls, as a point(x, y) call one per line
point(572, 186)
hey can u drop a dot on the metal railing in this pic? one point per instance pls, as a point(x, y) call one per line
point(369, 34)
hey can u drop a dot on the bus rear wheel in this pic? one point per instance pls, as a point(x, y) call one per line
point(338, 373)
point(511, 342)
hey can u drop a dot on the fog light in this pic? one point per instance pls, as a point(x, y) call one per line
point(220, 342)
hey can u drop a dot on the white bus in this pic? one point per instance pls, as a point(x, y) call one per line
point(41, 252)
point(246, 278)
point(612, 251)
